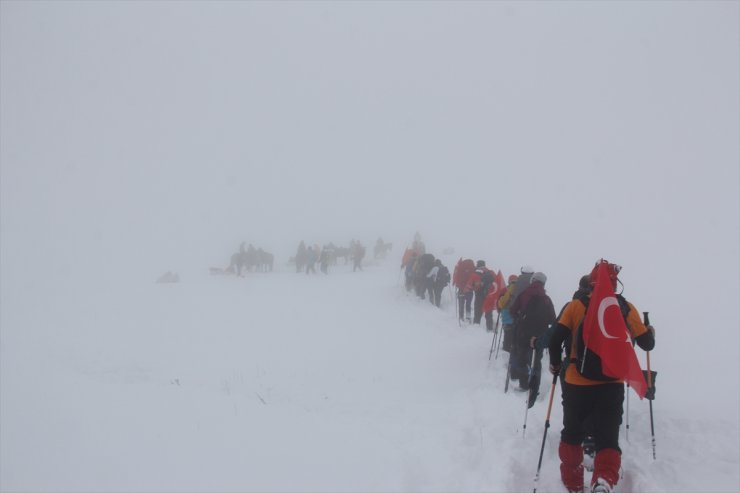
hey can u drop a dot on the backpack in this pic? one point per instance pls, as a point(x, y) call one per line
point(443, 276)
point(588, 363)
point(487, 279)
point(426, 262)
point(466, 267)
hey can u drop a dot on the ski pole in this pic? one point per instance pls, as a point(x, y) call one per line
point(500, 337)
point(495, 336)
point(544, 435)
point(646, 317)
point(627, 429)
point(457, 308)
point(493, 343)
point(526, 401)
point(628, 404)
point(490, 353)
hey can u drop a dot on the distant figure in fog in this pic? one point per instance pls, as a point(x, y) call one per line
point(300, 257)
point(440, 279)
point(358, 253)
point(311, 257)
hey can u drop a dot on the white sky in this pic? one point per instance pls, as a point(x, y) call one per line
point(156, 135)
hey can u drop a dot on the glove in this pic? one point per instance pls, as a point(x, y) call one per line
point(555, 369)
point(650, 394)
point(651, 329)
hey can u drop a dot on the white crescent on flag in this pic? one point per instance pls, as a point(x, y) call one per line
point(606, 303)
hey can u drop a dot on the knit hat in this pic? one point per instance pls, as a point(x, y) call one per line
point(539, 277)
point(527, 269)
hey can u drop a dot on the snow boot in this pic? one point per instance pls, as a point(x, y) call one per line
point(571, 466)
point(606, 470)
point(601, 486)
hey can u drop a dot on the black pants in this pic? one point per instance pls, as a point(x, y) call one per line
point(420, 284)
point(478, 306)
point(464, 301)
point(522, 367)
point(430, 290)
point(489, 320)
point(438, 293)
point(599, 406)
point(508, 338)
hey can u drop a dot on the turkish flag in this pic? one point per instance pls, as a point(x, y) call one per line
point(605, 333)
point(494, 293)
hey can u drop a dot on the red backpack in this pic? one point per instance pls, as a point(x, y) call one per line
point(463, 269)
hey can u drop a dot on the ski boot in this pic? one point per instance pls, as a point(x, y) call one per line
point(601, 486)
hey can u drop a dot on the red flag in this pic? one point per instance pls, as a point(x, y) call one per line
point(494, 293)
point(606, 334)
point(501, 284)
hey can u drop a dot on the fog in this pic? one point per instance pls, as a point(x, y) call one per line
point(143, 137)
point(140, 137)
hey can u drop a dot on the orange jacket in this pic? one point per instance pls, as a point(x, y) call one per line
point(571, 318)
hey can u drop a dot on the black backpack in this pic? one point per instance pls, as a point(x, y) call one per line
point(443, 276)
point(588, 363)
point(486, 280)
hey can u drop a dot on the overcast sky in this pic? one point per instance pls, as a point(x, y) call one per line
point(161, 134)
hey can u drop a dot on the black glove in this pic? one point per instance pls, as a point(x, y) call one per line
point(650, 394)
point(651, 329)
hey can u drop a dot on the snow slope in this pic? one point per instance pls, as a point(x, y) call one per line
point(287, 382)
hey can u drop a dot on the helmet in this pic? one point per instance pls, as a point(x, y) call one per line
point(526, 269)
point(538, 277)
point(513, 278)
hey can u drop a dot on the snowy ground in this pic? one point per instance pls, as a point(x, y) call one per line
point(284, 382)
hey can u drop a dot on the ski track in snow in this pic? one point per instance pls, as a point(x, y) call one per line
point(288, 382)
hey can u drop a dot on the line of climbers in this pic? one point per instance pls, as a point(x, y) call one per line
point(592, 404)
point(424, 274)
point(592, 400)
point(307, 257)
point(478, 289)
